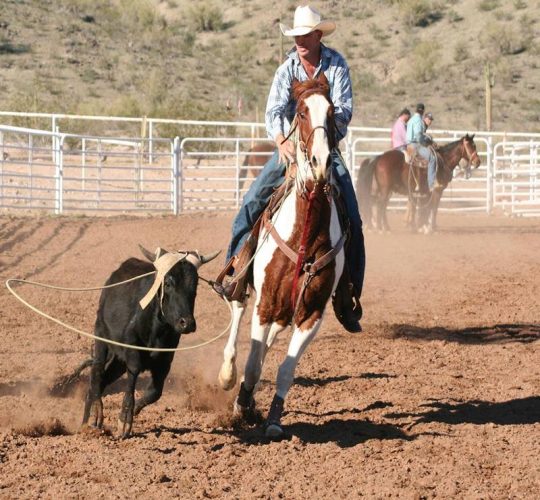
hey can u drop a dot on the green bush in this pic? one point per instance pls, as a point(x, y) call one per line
point(419, 12)
point(423, 61)
point(502, 39)
point(454, 17)
point(487, 5)
point(206, 16)
point(461, 51)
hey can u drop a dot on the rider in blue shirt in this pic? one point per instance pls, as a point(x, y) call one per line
point(416, 136)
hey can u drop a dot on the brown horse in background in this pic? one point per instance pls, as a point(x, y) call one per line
point(390, 173)
point(256, 158)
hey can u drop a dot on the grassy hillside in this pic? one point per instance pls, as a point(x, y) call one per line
point(195, 59)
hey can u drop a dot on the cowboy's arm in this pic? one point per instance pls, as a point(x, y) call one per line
point(342, 98)
point(276, 105)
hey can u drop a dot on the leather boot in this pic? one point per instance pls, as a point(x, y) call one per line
point(347, 306)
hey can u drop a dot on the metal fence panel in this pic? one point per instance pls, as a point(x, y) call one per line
point(516, 178)
point(55, 172)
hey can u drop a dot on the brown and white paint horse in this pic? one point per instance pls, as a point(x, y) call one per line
point(288, 292)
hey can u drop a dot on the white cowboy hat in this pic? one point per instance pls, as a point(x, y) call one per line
point(306, 20)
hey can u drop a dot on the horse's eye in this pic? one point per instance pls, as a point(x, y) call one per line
point(302, 115)
point(169, 282)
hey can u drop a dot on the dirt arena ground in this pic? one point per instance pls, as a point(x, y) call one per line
point(439, 397)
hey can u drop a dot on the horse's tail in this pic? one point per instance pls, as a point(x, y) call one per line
point(363, 188)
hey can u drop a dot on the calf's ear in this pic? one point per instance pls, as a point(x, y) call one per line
point(207, 258)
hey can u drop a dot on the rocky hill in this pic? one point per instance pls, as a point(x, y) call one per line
point(201, 59)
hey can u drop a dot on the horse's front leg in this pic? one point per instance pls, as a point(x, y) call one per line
point(300, 340)
point(227, 373)
point(245, 404)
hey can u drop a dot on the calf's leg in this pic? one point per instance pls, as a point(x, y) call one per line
point(125, 421)
point(155, 388)
point(93, 403)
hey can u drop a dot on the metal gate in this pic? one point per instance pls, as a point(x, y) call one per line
point(52, 172)
point(516, 178)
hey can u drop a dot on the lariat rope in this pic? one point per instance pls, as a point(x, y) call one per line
point(90, 335)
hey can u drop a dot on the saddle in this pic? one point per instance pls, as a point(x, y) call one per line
point(413, 158)
point(241, 265)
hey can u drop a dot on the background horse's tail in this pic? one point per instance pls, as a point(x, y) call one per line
point(363, 188)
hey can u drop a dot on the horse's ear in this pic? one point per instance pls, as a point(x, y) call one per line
point(296, 88)
point(323, 82)
point(472, 136)
point(322, 79)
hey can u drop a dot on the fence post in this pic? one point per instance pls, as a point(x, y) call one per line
point(174, 174)
point(179, 153)
point(151, 141)
point(59, 181)
point(237, 187)
point(490, 183)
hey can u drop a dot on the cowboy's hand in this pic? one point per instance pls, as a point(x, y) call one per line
point(286, 149)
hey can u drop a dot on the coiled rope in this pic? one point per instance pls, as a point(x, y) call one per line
point(100, 339)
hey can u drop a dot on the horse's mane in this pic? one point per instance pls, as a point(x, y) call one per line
point(309, 87)
point(447, 147)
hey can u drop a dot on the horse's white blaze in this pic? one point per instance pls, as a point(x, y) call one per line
point(318, 112)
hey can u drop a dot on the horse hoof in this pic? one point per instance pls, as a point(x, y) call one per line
point(274, 431)
point(227, 377)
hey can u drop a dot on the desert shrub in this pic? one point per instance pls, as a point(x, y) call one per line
point(423, 61)
point(503, 39)
point(461, 51)
point(363, 81)
point(520, 4)
point(454, 17)
point(487, 5)
point(501, 15)
point(419, 12)
point(378, 33)
point(206, 16)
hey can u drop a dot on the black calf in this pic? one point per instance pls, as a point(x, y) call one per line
point(121, 318)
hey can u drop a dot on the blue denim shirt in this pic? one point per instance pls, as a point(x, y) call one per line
point(281, 107)
point(415, 128)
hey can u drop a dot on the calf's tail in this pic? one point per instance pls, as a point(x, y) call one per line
point(63, 385)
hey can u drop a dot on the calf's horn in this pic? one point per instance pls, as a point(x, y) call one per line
point(207, 258)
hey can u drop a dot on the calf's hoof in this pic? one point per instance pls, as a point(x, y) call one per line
point(123, 429)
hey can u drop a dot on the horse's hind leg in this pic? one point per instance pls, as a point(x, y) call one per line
point(299, 341)
point(227, 373)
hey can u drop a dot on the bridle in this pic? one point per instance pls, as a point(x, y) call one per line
point(470, 156)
